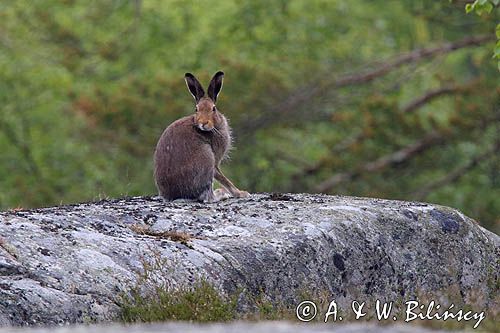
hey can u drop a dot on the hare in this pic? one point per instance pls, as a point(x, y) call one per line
point(189, 152)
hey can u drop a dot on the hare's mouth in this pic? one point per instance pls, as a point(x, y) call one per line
point(205, 128)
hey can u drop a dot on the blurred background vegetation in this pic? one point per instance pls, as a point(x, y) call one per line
point(390, 99)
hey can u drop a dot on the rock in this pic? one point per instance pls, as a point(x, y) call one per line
point(73, 264)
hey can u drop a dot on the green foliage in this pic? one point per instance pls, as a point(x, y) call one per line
point(86, 89)
point(497, 46)
point(200, 302)
point(481, 6)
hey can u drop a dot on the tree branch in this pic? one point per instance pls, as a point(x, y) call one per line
point(395, 158)
point(359, 137)
point(304, 94)
point(317, 87)
point(312, 169)
point(438, 92)
point(456, 174)
point(403, 155)
point(429, 96)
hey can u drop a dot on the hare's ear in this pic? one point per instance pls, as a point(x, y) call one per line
point(215, 86)
point(194, 87)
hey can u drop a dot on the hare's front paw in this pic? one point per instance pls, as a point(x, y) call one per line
point(242, 194)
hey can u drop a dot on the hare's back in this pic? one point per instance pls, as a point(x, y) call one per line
point(184, 162)
point(181, 141)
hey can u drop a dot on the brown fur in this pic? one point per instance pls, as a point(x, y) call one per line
point(189, 151)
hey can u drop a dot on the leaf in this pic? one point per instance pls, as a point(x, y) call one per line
point(488, 7)
point(480, 6)
point(496, 53)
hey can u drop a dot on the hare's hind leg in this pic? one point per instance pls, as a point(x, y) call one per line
point(229, 185)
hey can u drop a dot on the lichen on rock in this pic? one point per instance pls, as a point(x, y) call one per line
point(73, 263)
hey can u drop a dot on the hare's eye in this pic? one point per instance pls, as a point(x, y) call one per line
point(214, 109)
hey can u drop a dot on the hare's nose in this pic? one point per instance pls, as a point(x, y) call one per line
point(204, 126)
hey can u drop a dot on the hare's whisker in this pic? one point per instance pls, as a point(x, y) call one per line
point(215, 130)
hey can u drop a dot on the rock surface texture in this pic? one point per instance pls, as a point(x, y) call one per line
point(73, 264)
